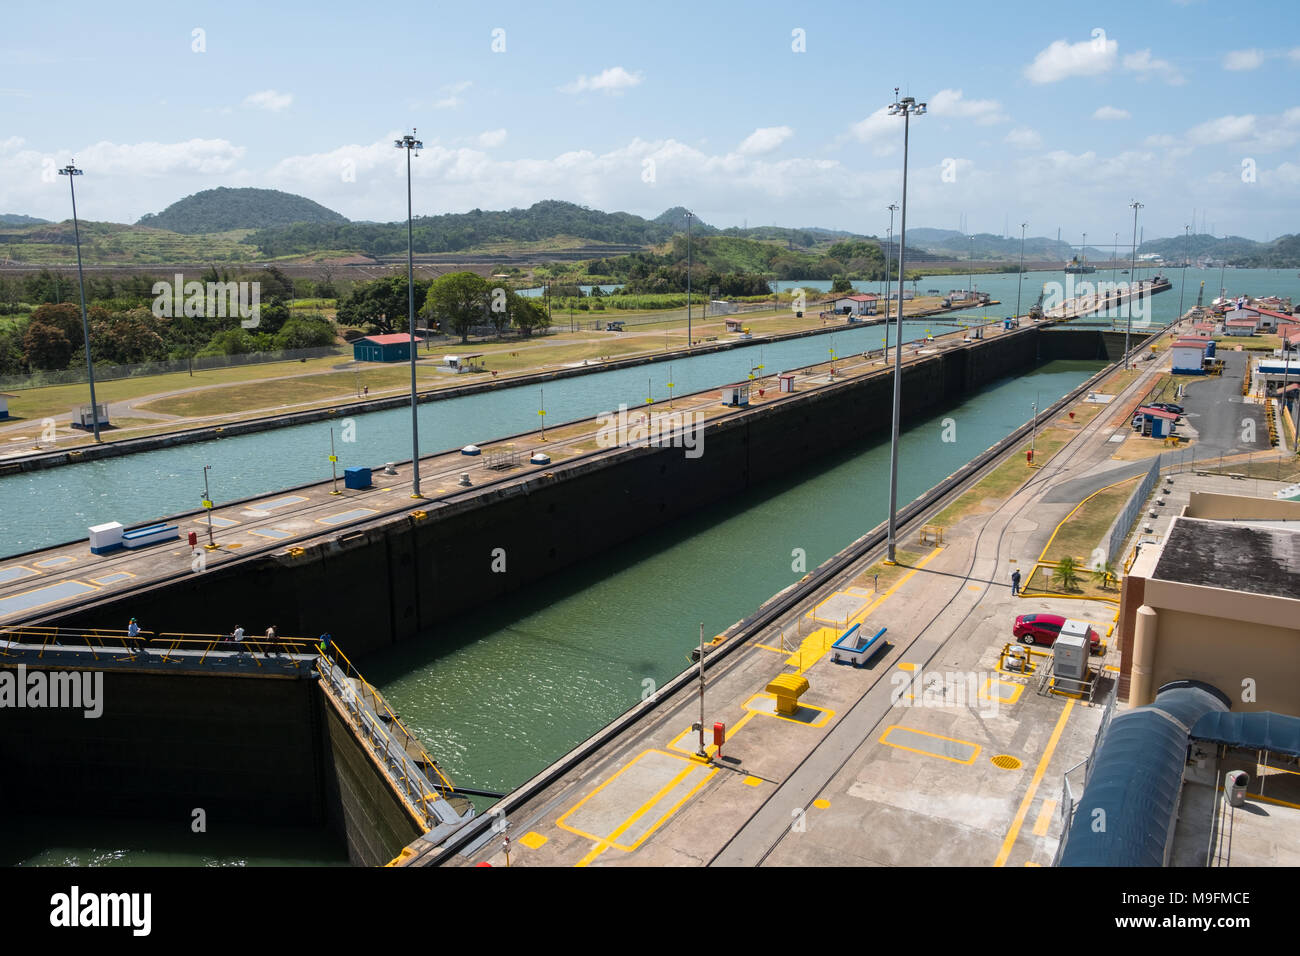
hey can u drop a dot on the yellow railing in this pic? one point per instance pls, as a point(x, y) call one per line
point(395, 729)
point(110, 641)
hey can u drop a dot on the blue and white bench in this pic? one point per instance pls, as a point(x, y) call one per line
point(855, 648)
point(150, 534)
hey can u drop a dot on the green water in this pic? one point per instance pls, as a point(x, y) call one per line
point(502, 693)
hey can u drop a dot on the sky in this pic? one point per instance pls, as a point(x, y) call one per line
point(759, 113)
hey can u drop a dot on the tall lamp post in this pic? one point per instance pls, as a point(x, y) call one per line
point(1187, 243)
point(889, 242)
point(970, 262)
point(907, 107)
point(690, 341)
point(1132, 274)
point(1020, 280)
point(411, 144)
point(72, 171)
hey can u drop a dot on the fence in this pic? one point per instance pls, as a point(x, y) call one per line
point(1068, 797)
point(105, 373)
point(1118, 533)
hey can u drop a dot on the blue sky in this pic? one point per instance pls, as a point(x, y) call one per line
point(1054, 114)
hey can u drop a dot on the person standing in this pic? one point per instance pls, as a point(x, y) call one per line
point(1015, 581)
point(270, 641)
point(133, 638)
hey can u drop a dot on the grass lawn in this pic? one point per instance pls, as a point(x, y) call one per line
point(888, 575)
point(1040, 581)
point(1003, 480)
point(1082, 530)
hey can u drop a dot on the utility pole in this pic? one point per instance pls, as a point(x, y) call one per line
point(411, 144)
point(1128, 328)
point(71, 171)
point(690, 341)
point(1020, 283)
point(906, 107)
point(702, 752)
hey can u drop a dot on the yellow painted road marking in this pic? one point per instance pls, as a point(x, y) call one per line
point(752, 781)
point(1044, 818)
point(606, 843)
point(533, 840)
point(1014, 832)
point(975, 748)
point(822, 804)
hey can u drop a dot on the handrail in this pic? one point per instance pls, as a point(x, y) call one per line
point(380, 705)
point(103, 640)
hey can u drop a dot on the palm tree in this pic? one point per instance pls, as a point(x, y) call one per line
point(1066, 574)
point(1103, 572)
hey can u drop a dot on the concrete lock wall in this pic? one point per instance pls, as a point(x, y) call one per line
point(386, 583)
point(363, 807)
point(242, 749)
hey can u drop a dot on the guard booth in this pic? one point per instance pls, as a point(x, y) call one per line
point(787, 382)
point(736, 396)
point(464, 363)
point(85, 420)
point(1155, 422)
point(735, 325)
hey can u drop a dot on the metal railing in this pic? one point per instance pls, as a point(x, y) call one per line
point(1069, 799)
point(110, 642)
point(401, 750)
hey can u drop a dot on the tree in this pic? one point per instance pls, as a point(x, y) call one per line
point(126, 338)
point(46, 347)
point(529, 315)
point(1066, 574)
point(841, 284)
point(380, 305)
point(1103, 572)
point(306, 332)
point(458, 299)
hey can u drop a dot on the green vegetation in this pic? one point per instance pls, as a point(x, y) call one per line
point(1079, 534)
point(1066, 574)
point(223, 209)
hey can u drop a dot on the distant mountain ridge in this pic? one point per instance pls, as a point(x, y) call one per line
point(224, 209)
point(14, 219)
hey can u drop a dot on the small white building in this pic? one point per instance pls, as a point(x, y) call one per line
point(1243, 326)
point(1189, 356)
point(4, 405)
point(862, 303)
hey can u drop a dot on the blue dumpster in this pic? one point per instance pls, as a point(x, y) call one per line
point(358, 478)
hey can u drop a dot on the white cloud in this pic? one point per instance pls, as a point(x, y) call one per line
point(1025, 138)
point(1294, 53)
point(1243, 60)
point(1144, 65)
point(1224, 129)
point(1064, 59)
point(271, 100)
point(1111, 113)
point(613, 80)
point(491, 139)
point(765, 139)
point(952, 103)
point(451, 98)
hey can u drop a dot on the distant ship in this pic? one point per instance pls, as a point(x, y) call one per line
point(1077, 268)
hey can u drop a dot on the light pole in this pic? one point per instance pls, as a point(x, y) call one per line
point(71, 171)
point(906, 107)
point(1020, 280)
point(690, 342)
point(889, 242)
point(970, 264)
point(410, 143)
point(1132, 275)
point(1187, 243)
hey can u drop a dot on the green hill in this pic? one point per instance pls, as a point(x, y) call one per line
point(13, 219)
point(224, 209)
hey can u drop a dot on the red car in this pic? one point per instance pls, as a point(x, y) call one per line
point(1044, 629)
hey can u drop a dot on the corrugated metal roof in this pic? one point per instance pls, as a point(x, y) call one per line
point(1126, 813)
point(393, 338)
point(1261, 730)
